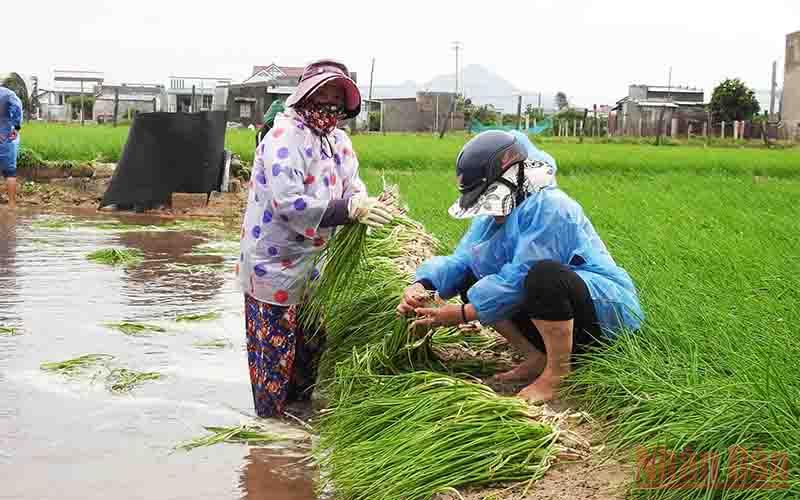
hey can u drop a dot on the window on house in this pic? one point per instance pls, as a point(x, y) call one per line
point(244, 109)
point(176, 83)
point(207, 101)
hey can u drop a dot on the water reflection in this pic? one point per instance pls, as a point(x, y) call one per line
point(63, 301)
point(271, 475)
point(8, 273)
point(170, 271)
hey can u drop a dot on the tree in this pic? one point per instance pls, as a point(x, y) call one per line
point(467, 107)
point(733, 100)
point(88, 105)
point(16, 84)
point(561, 100)
point(533, 113)
point(486, 114)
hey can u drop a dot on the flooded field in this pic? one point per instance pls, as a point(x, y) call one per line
point(71, 437)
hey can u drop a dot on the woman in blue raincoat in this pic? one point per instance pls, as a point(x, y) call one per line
point(10, 124)
point(531, 265)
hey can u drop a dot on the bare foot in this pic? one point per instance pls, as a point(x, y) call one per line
point(544, 389)
point(516, 374)
point(527, 371)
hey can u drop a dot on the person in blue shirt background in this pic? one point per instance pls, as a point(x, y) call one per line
point(531, 265)
point(10, 124)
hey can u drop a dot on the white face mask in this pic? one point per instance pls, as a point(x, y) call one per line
point(501, 197)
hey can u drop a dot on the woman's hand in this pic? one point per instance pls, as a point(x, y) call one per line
point(368, 211)
point(414, 297)
point(435, 317)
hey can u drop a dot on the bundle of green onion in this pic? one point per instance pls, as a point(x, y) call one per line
point(116, 256)
point(247, 434)
point(393, 428)
point(123, 380)
point(414, 435)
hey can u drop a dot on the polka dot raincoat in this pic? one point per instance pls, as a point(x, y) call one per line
point(295, 176)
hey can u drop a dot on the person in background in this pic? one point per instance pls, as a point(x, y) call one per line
point(10, 125)
point(269, 119)
point(531, 265)
point(304, 183)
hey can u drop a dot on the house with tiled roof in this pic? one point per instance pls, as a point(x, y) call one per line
point(249, 100)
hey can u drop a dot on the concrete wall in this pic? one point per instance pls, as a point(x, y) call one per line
point(791, 83)
point(400, 115)
point(419, 114)
point(428, 103)
point(104, 109)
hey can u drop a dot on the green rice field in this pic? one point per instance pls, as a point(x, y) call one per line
point(709, 236)
point(415, 152)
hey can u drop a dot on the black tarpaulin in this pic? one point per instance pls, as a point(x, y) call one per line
point(168, 153)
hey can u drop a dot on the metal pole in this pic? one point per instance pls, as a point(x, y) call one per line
point(457, 47)
point(116, 105)
point(669, 84)
point(371, 73)
point(772, 88)
point(436, 119)
point(81, 103)
point(192, 105)
point(519, 112)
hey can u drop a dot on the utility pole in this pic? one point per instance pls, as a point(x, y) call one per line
point(456, 46)
point(669, 84)
point(81, 103)
point(116, 105)
point(772, 88)
point(35, 106)
point(519, 112)
point(371, 74)
point(541, 111)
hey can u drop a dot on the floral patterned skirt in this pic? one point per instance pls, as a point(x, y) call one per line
point(282, 360)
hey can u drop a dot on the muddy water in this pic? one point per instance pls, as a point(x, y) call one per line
point(63, 438)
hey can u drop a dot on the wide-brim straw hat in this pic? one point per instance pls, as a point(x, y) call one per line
point(317, 74)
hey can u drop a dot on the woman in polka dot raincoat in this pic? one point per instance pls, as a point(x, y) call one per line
point(304, 183)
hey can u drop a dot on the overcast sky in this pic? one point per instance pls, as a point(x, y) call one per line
point(589, 49)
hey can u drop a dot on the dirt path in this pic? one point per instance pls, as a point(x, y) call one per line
point(59, 195)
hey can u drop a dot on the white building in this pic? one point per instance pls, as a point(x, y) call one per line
point(54, 101)
point(181, 88)
point(129, 99)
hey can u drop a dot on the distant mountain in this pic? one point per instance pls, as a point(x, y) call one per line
point(485, 87)
point(479, 84)
point(405, 89)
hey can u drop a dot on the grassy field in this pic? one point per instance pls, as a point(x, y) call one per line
point(715, 261)
point(709, 236)
point(414, 152)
